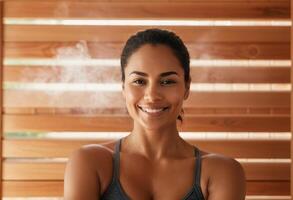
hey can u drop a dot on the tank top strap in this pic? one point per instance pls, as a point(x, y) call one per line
point(197, 166)
point(116, 162)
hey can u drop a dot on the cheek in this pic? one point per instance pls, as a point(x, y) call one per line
point(132, 95)
point(176, 99)
point(175, 95)
point(178, 102)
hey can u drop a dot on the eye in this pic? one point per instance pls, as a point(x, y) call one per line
point(167, 82)
point(139, 82)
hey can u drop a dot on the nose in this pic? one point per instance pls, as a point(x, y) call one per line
point(152, 93)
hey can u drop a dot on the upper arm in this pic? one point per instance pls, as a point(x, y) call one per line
point(81, 179)
point(227, 180)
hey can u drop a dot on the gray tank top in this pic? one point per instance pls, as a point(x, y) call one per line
point(116, 192)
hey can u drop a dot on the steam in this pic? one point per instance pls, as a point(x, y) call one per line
point(70, 73)
point(81, 76)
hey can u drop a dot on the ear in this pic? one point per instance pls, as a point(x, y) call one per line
point(186, 94)
point(187, 90)
point(123, 89)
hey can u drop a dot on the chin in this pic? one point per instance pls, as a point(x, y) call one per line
point(156, 125)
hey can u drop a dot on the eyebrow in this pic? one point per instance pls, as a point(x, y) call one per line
point(161, 75)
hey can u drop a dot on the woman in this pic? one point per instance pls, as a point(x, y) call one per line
point(153, 162)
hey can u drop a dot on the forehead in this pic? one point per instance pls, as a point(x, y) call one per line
point(150, 57)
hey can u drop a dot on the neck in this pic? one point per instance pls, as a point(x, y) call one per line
point(156, 144)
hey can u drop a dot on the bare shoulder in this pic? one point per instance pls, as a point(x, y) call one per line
point(95, 152)
point(221, 162)
point(98, 156)
point(93, 155)
point(91, 150)
point(226, 177)
point(90, 165)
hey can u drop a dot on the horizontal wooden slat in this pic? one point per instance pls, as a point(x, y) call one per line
point(124, 123)
point(50, 148)
point(241, 50)
point(258, 197)
point(14, 170)
point(123, 111)
point(38, 74)
point(32, 171)
point(32, 188)
point(142, 1)
point(267, 171)
point(87, 99)
point(147, 10)
point(268, 188)
point(26, 33)
point(55, 188)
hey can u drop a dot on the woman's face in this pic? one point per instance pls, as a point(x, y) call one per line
point(154, 87)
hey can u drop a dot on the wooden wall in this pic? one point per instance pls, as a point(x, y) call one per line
point(29, 168)
point(291, 103)
point(1, 84)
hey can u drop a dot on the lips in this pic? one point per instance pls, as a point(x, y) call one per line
point(152, 110)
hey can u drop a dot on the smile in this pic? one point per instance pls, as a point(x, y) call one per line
point(152, 110)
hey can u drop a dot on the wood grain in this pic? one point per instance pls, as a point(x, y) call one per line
point(33, 171)
point(55, 188)
point(1, 91)
point(197, 49)
point(70, 33)
point(28, 179)
point(162, 9)
point(99, 99)
point(50, 148)
point(122, 123)
point(100, 74)
point(291, 103)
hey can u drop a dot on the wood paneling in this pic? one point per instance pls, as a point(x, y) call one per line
point(28, 33)
point(123, 111)
point(205, 111)
point(55, 188)
point(146, 10)
point(99, 74)
point(197, 50)
point(32, 188)
point(89, 99)
point(29, 171)
point(291, 101)
point(274, 188)
point(124, 123)
point(50, 148)
point(26, 171)
point(1, 91)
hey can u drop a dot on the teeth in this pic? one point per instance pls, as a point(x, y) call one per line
point(149, 110)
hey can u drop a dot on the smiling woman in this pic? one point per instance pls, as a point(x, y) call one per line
point(153, 161)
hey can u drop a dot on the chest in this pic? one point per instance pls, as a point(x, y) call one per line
point(167, 179)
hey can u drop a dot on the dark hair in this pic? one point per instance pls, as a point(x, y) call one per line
point(156, 36)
